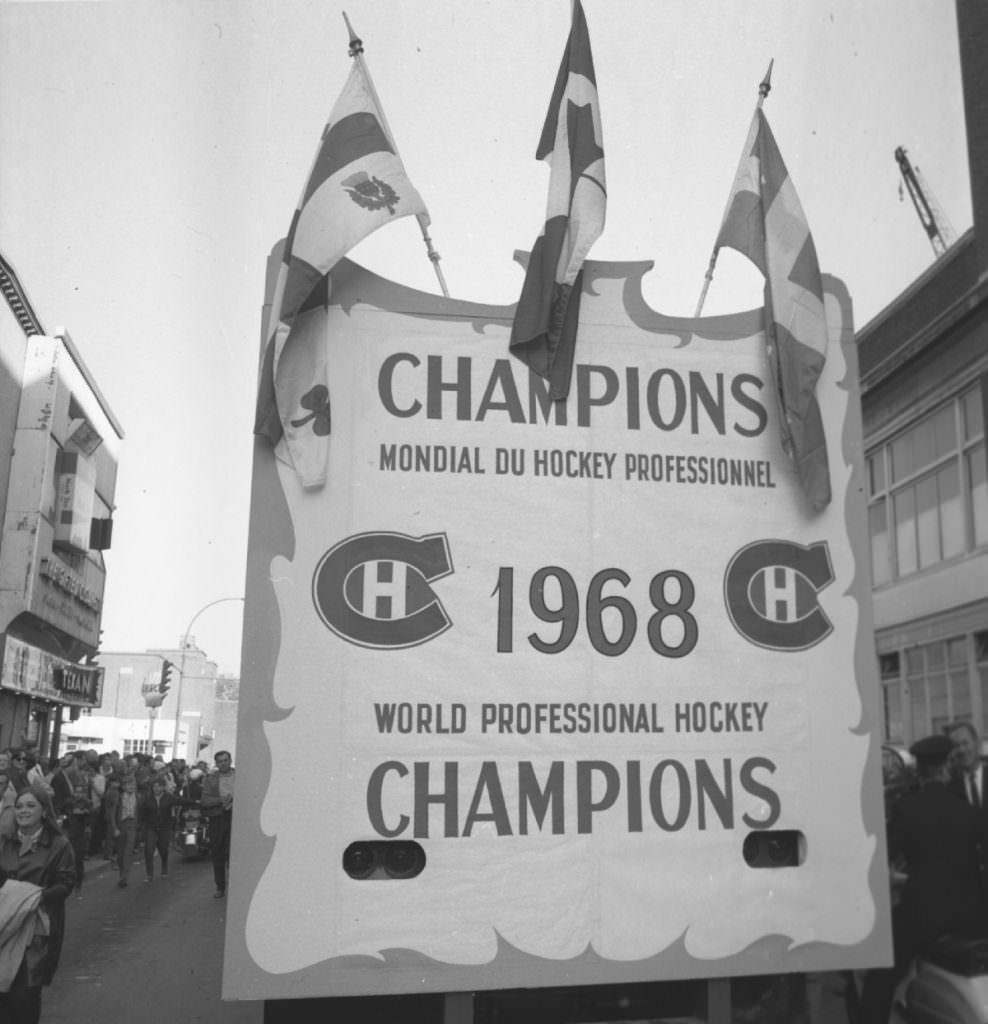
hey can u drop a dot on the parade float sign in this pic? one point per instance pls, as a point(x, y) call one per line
point(581, 655)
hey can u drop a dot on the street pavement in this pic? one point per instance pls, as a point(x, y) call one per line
point(152, 952)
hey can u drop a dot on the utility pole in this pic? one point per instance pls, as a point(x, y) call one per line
point(181, 671)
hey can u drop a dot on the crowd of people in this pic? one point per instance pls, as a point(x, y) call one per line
point(937, 834)
point(54, 816)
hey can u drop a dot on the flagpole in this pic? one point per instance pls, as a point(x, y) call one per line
point(764, 88)
point(356, 52)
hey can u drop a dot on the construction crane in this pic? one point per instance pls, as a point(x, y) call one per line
point(931, 216)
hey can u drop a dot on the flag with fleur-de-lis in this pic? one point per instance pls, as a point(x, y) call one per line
point(357, 184)
point(766, 223)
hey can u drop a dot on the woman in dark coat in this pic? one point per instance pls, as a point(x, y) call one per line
point(40, 854)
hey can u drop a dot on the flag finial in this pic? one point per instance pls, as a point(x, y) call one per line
point(356, 43)
point(764, 87)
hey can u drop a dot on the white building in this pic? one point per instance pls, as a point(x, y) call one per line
point(59, 449)
point(126, 723)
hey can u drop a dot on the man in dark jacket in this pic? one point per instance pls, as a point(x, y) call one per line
point(937, 835)
point(157, 822)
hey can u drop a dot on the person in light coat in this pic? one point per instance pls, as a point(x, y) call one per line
point(217, 805)
point(37, 853)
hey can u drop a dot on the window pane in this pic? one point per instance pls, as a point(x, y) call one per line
point(923, 443)
point(957, 676)
point(876, 472)
point(881, 567)
point(983, 678)
point(939, 709)
point(934, 656)
point(939, 722)
point(945, 431)
point(917, 709)
point(961, 696)
point(928, 521)
point(973, 415)
point(902, 456)
point(893, 713)
point(951, 511)
point(981, 647)
point(914, 662)
point(905, 532)
point(888, 665)
point(979, 493)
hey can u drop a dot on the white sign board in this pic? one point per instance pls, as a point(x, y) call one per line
point(585, 658)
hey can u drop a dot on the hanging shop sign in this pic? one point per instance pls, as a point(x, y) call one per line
point(33, 671)
point(591, 682)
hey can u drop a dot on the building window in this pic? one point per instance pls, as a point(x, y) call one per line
point(927, 493)
point(981, 664)
point(84, 742)
point(141, 747)
point(937, 678)
point(888, 667)
point(976, 463)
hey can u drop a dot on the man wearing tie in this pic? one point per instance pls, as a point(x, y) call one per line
point(969, 772)
point(968, 781)
point(937, 837)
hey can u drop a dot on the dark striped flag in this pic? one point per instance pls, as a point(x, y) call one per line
point(357, 184)
point(765, 222)
point(543, 335)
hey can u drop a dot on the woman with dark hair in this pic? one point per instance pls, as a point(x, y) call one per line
point(37, 853)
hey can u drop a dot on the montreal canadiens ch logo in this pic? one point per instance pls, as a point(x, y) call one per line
point(373, 589)
point(771, 589)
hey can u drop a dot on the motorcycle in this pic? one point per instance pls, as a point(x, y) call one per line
point(191, 836)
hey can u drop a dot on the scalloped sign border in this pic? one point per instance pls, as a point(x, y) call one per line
point(577, 655)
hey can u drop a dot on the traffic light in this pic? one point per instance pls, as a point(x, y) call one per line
point(167, 668)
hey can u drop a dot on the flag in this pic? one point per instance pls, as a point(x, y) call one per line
point(543, 335)
point(765, 222)
point(357, 184)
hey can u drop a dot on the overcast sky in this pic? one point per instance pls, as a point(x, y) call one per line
point(151, 154)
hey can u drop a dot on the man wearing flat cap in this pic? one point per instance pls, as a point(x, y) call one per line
point(936, 834)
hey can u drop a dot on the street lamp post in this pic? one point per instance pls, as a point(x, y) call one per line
point(181, 669)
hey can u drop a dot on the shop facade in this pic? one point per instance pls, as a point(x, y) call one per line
point(60, 443)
